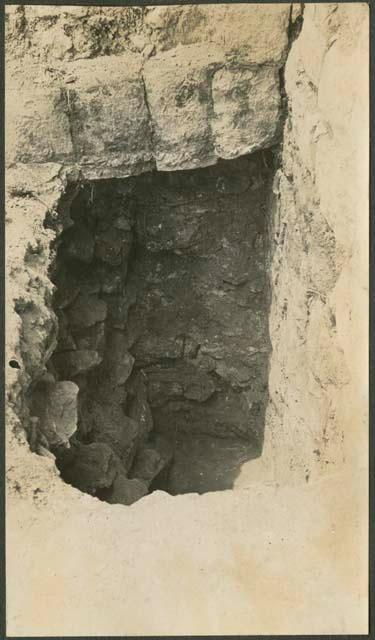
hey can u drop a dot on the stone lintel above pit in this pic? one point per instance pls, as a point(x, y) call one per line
point(183, 106)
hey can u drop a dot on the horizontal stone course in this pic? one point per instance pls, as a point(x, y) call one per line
point(116, 116)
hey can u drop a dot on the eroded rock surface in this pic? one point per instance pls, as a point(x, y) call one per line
point(55, 404)
point(235, 540)
point(167, 88)
point(162, 302)
point(318, 318)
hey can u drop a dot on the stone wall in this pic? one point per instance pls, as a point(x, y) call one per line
point(319, 226)
point(134, 99)
point(233, 549)
point(317, 419)
point(162, 304)
point(198, 329)
point(89, 108)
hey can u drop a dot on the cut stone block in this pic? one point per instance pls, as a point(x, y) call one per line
point(178, 94)
point(246, 104)
point(109, 117)
point(37, 125)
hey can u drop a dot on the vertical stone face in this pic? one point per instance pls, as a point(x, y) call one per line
point(118, 121)
point(198, 327)
point(37, 125)
point(180, 103)
point(56, 33)
point(229, 547)
point(167, 87)
point(317, 417)
point(162, 302)
point(246, 104)
point(108, 115)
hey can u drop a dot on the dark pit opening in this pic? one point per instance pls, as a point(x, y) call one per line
point(162, 355)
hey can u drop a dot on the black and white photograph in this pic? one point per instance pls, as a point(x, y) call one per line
point(187, 319)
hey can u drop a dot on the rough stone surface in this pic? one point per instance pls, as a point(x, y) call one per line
point(90, 351)
point(238, 546)
point(147, 465)
point(137, 99)
point(107, 423)
point(56, 406)
point(73, 363)
point(196, 326)
point(246, 106)
point(187, 355)
point(86, 311)
point(89, 467)
point(37, 124)
point(108, 114)
point(318, 375)
point(49, 33)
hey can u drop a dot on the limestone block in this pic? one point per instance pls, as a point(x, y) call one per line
point(203, 106)
point(91, 337)
point(37, 125)
point(178, 95)
point(108, 113)
point(56, 406)
point(246, 104)
point(255, 32)
point(151, 349)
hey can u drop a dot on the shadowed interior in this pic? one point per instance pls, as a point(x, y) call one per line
point(162, 302)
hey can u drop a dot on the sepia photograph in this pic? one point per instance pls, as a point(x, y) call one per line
point(187, 319)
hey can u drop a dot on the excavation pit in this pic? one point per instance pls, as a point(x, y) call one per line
point(159, 376)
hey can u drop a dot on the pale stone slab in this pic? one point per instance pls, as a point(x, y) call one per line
point(37, 125)
point(108, 115)
point(179, 98)
point(246, 106)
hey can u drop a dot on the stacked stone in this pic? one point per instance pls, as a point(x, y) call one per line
point(199, 326)
point(162, 305)
point(113, 419)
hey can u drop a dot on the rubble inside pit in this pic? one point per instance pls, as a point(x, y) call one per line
point(159, 375)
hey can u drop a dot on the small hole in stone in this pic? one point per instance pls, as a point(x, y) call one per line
point(14, 364)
